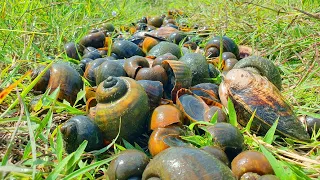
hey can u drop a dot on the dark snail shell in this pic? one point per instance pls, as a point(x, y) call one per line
point(128, 164)
point(217, 153)
point(179, 76)
point(154, 90)
point(155, 21)
point(165, 115)
point(89, 73)
point(249, 92)
point(93, 39)
point(83, 63)
point(264, 66)
point(167, 56)
point(228, 138)
point(156, 73)
point(251, 161)
point(126, 49)
point(229, 64)
point(80, 128)
point(163, 48)
point(121, 100)
point(177, 37)
point(92, 55)
point(73, 50)
point(44, 80)
point(108, 68)
point(68, 79)
point(213, 88)
point(313, 124)
point(212, 48)
point(186, 163)
point(198, 65)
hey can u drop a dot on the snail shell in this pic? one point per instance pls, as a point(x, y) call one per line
point(121, 99)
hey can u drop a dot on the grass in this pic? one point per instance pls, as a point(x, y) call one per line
point(282, 31)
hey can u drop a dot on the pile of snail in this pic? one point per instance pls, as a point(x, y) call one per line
point(156, 81)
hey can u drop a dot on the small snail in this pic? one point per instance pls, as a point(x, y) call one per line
point(212, 48)
point(251, 161)
point(163, 48)
point(128, 164)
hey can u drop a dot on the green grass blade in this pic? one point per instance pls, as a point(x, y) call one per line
point(59, 145)
point(81, 171)
point(76, 158)
point(214, 118)
point(269, 137)
point(248, 126)
point(232, 113)
point(55, 173)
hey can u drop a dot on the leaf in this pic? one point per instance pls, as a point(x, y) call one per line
point(81, 171)
point(196, 140)
point(248, 126)
point(297, 170)
point(276, 165)
point(232, 113)
point(59, 145)
point(54, 174)
point(127, 145)
point(191, 126)
point(269, 137)
point(214, 118)
point(4, 93)
point(76, 157)
point(81, 94)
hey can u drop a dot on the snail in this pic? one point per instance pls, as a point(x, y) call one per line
point(228, 138)
point(96, 40)
point(148, 43)
point(73, 50)
point(121, 101)
point(126, 49)
point(62, 75)
point(165, 115)
point(198, 66)
point(163, 48)
point(166, 56)
point(80, 128)
point(251, 92)
point(217, 153)
point(177, 37)
point(250, 161)
point(155, 21)
point(313, 124)
point(186, 163)
point(128, 164)
point(212, 48)
point(108, 68)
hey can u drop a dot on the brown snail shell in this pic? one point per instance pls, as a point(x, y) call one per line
point(155, 21)
point(163, 138)
point(154, 90)
point(156, 73)
point(186, 163)
point(128, 164)
point(165, 115)
point(68, 79)
point(249, 92)
point(213, 109)
point(93, 39)
point(121, 99)
point(44, 80)
point(179, 76)
point(133, 64)
point(229, 64)
point(89, 73)
point(163, 32)
point(251, 161)
point(148, 43)
point(227, 137)
point(192, 106)
point(167, 56)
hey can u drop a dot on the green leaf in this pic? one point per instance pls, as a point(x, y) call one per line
point(196, 140)
point(191, 126)
point(297, 170)
point(59, 145)
point(214, 118)
point(81, 171)
point(81, 94)
point(76, 158)
point(248, 126)
point(232, 113)
point(269, 137)
point(54, 174)
point(276, 165)
point(127, 145)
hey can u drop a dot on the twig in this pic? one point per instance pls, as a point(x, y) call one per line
point(307, 13)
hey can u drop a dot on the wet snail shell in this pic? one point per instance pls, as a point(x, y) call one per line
point(128, 164)
point(156, 73)
point(93, 39)
point(73, 50)
point(163, 48)
point(80, 128)
point(251, 161)
point(154, 90)
point(134, 64)
point(167, 56)
point(186, 163)
point(165, 115)
point(155, 21)
point(212, 48)
point(121, 100)
point(126, 49)
point(249, 92)
point(217, 153)
point(89, 73)
point(44, 80)
point(108, 68)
